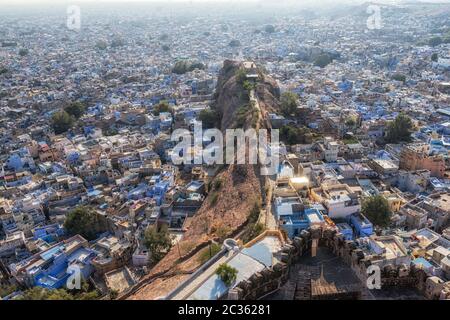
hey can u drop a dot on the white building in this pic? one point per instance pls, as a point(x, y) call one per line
point(339, 200)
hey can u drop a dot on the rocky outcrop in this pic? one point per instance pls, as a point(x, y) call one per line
point(226, 210)
point(231, 95)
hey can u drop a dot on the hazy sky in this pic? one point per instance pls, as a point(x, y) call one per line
point(321, 2)
point(162, 1)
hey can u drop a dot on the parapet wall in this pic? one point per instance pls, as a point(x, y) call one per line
point(271, 279)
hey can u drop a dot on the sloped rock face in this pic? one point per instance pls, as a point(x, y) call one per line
point(236, 197)
point(229, 94)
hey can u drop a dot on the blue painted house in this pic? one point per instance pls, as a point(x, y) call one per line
point(51, 268)
point(362, 226)
point(345, 230)
point(294, 217)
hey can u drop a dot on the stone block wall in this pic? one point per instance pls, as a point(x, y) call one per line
point(271, 279)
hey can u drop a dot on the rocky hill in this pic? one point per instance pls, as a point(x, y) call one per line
point(232, 97)
point(235, 193)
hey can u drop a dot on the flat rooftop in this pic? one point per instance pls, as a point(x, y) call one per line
point(206, 285)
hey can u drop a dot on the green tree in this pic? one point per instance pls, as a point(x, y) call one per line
point(288, 103)
point(85, 293)
point(183, 66)
point(113, 294)
point(196, 65)
point(180, 67)
point(39, 293)
point(83, 221)
point(209, 118)
point(350, 122)
point(435, 41)
point(400, 129)
point(399, 77)
point(62, 121)
point(163, 106)
point(213, 199)
point(247, 85)
point(101, 45)
point(376, 209)
point(234, 43)
point(323, 60)
point(23, 52)
point(165, 47)
point(434, 57)
point(227, 274)
point(269, 28)
point(75, 109)
point(6, 290)
point(209, 252)
point(241, 75)
point(295, 135)
point(158, 242)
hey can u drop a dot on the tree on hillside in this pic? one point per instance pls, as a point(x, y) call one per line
point(400, 129)
point(83, 221)
point(248, 85)
point(241, 75)
point(75, 109)
point(434, 57)
point(288, 103)
point(376, 209)
point(158, 242)
point(62, 121)
point(209, 118)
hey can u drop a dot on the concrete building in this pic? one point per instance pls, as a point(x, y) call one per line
point(339, 200)
point(417, 157)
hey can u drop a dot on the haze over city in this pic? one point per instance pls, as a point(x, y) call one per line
point(224, 150)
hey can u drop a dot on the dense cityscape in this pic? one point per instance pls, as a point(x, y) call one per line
point(94, 206)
